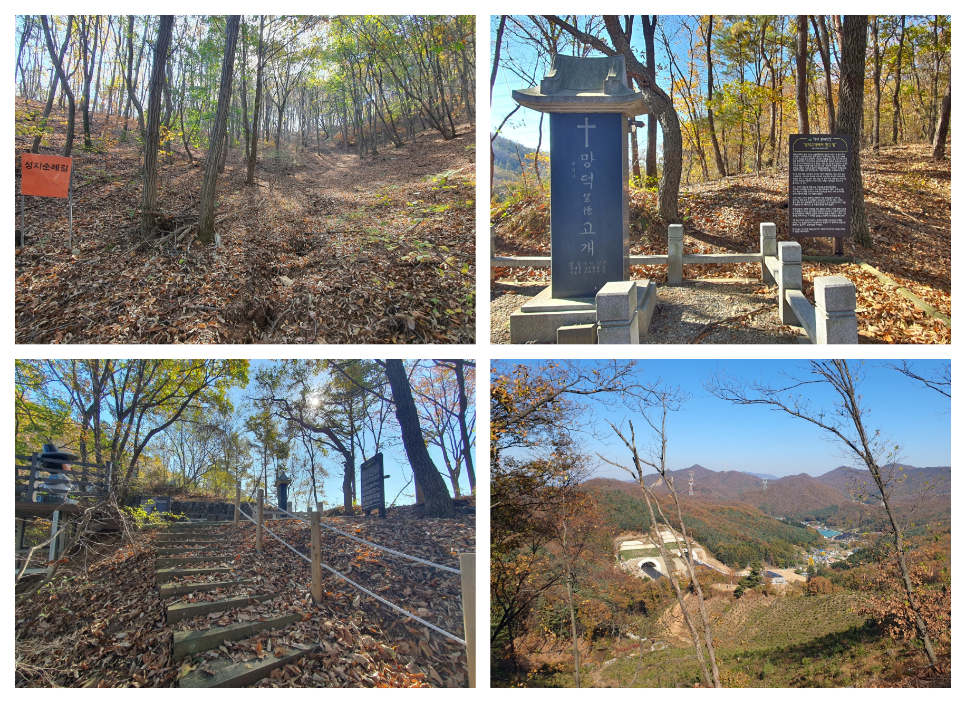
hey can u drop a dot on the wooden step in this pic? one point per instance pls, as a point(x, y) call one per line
point(197, 523)
point(186, 611)
point(188, 540)
point(187, 550)
point(178, 561)
point(182, 589)
point(195, 641)
point(231, 675)
point(197, 544)
point(194, 534)
point(165, 575)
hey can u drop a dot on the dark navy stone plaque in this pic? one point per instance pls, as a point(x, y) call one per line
point(588, 180)
point(820, 185)
point(373, 485)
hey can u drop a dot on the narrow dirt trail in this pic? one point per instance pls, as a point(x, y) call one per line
point(322, 249)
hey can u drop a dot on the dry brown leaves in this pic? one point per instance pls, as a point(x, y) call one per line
point(107, 628)
point(908, 202)
point(324, 248)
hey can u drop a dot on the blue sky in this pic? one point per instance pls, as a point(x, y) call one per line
point(715, 433)
point(394, 459)
point(523, 127)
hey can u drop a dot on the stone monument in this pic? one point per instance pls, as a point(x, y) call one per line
point(589, 103)
point(281, 485)
point(373, 486)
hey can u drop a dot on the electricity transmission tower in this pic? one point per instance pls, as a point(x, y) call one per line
point(691, 482)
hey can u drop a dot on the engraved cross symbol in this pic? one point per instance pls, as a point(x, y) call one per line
point(586, 127)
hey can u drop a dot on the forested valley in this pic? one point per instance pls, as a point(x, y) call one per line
point(779, 603)
point(725, 92)
point(239, 179)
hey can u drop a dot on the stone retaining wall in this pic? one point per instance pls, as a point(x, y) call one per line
point(201, 510)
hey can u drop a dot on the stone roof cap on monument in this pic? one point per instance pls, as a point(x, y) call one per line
point(574, 84)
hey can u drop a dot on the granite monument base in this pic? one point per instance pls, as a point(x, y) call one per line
point(538, 320)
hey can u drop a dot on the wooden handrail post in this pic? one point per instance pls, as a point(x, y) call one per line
point(468, 588)
point(316, 557)
point(259, 528)
point(237, 502)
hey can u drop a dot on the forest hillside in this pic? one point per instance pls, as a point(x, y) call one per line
point(725, 95)
point(264, 179)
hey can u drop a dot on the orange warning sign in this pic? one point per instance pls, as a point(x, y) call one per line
point(48, 176)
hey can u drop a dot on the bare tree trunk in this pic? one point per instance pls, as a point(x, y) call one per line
point(244, 90)
point(667, 399)
point(168, 110)
point(650, 159)
point(206, 206)
point(496, 64)
point(88, 52)
point(942, 130)
point(71, 107)
point(801, 75)
point(573, 625)
point(438, 501)
point(149, 196)
point(658, 103)
point(256, 108)
point(851, 95)
point(718, 161)
point(464, 432)
point(131, 76)
point(54, 80)
point(28, 28)
point(876, 82)
point(895, 92)
point(821, 31)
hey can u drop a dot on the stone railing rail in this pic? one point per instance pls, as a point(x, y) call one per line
point(831, 320)
point(675, 259)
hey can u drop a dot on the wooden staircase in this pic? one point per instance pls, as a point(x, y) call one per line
point(187, 551)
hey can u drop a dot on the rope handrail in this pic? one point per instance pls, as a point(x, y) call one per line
point(373, 544)
point(363, 588)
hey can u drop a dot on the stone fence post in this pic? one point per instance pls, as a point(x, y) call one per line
point(617, 313)
point(675, 255)
point(835, 320)
point(769, 247)
point(789, 278)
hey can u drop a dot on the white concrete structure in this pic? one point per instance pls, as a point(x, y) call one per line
point(652, 564)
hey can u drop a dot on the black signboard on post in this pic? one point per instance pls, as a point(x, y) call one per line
point(820, 186)
point(373, 485)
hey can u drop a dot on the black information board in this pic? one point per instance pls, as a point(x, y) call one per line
point(820, 185)
point(373, 485)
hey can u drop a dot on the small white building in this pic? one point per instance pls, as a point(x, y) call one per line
point(775, 577)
